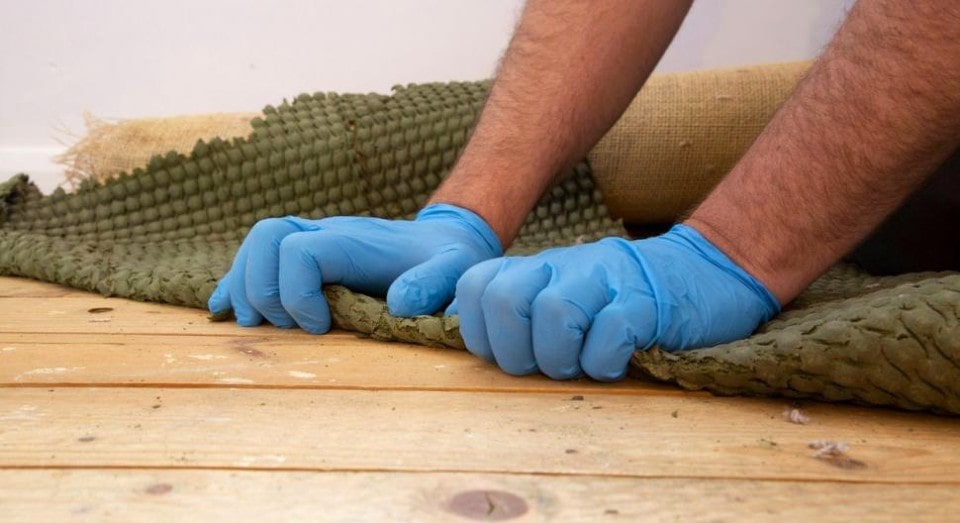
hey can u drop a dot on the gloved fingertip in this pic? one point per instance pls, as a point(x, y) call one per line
point(316, 328)
point(608, 362)
point(274, 313)
point(617, 332)
point(453, 309)
point(568, 373)
point(309, 310)
point(412, 296)
point(284, 324)
point(219, 301)
point(399, 305)
point(248, 320)
point(522, 369)
point(316, 321)
point(609, 375)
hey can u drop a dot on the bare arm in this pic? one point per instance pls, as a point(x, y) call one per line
point(875, 115)
point(571, 69)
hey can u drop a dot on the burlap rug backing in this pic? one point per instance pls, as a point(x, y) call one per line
point(682, 134)
point(678, 138)
point(113, 147)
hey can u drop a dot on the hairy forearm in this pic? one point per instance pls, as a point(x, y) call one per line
point(571, 69)
point(877, 112)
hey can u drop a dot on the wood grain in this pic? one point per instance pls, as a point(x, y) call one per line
point(11, 287)
point(72, 314)
point(335, 361)
point(468, 432)
point(113, 410)
point(203, 495)
point(84, 338)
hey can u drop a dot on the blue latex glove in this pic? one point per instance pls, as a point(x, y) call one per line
point(587, 308)
point(282, 264)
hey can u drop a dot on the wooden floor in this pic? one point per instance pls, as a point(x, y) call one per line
point(112, 410)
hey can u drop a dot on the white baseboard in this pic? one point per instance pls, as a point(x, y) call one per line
point(37, 162)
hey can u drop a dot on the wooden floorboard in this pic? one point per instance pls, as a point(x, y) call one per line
point(25, 288)
point(93, 314)
point(455, 431)
point(113, 410)
point(284, 359)
point(88, 339)
point(165, 495)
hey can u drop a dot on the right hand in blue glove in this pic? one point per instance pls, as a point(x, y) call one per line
point(585, 309)
point(283, 263)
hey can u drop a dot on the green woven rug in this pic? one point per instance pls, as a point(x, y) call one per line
point(168, 232)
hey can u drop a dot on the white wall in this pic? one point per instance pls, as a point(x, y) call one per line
point(129, 58)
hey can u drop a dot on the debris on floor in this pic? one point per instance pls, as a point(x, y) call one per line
point(826, 448)
point(796, 416)
point(835, 453)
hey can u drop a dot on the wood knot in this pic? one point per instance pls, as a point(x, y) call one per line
point(487, 505)
point(159, 488)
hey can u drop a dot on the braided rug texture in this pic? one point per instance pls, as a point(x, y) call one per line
point(168, 231)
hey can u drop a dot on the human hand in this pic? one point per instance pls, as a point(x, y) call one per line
point(587, 308)
point(283, 263)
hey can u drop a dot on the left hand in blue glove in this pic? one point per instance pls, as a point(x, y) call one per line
point(587, 308)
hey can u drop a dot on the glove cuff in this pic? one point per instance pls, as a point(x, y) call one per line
point(692, 238)
point(470, 219)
